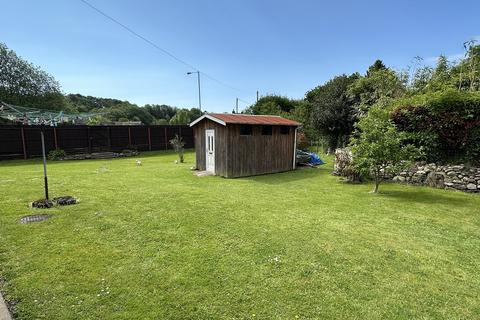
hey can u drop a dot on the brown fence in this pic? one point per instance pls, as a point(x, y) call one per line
point(22, 142)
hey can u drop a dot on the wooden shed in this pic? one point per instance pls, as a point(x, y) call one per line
point(238, 145)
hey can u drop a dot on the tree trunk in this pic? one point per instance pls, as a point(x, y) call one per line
point(377, 181)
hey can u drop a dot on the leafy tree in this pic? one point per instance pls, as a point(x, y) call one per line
point(421, 79)
point(160, 121)
point(441, 74)
point(92, 104)
point(181, 117)
point(379, 82)
point(130, 112)
point(303, 114)
point(273, 105)
point(22, 83)
point(428, 79)
point(194, 113)
point(97, 120)
point(466, 74)
point(298, 110)
point(162, 111)
point(379, 149)
point(378, 65)
point(332, 110)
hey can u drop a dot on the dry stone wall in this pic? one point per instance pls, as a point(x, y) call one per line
point(451, 177)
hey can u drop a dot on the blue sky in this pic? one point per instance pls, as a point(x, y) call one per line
point(283, 47)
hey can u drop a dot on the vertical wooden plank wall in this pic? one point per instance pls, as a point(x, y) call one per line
point(259, 154)
point(238, 156)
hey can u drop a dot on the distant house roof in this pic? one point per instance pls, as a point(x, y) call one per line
point(227, 118)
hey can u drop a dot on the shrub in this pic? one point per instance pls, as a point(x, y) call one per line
point(444, 125)
point(178, 145)
point(303, 143)
point(57, 154)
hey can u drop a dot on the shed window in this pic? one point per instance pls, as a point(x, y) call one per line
point(266, 130)
point(284, 130)
point(246, 130)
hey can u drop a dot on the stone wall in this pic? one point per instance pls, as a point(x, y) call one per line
point(342, 165)
point(451, 177)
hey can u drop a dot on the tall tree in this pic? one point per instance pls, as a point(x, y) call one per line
point(332, 110)
point(162, 111)
point(466, 74)
point(22, 83)
point(272, 104)
point(378, 83)
point(181, 117)
point(376, 66)
point(128, 111)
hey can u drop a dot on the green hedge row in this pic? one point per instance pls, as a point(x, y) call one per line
point(445, 125)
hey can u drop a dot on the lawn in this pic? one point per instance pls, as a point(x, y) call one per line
point(156, 242)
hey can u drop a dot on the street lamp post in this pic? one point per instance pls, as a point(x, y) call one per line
point(199, 92)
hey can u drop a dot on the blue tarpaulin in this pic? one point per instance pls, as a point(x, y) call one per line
point(308, 158)
point(315, 159)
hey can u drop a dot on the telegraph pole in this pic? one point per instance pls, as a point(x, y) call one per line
point(236, 106)
point(257, 95)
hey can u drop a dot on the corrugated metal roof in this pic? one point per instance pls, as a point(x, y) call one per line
point(249, 119)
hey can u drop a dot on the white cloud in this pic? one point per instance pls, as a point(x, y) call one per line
point(451, 57)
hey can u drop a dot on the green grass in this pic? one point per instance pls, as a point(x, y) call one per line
point(166, 244)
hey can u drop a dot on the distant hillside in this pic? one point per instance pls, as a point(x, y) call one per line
point(88, 103)
point(24, 84)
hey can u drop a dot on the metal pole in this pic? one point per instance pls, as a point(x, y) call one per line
point(236, 105)
point(55, 138)
point(199, 90)
point(295, 149)
point(44, 162)
point(199, 93)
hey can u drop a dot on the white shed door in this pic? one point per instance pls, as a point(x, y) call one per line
point(210, 150)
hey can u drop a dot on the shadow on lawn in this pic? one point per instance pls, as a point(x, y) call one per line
point(428, 196)
point(288, 176)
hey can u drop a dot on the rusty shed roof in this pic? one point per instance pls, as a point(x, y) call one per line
point(227, 118)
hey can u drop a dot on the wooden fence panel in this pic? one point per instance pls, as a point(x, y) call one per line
point(18, 142)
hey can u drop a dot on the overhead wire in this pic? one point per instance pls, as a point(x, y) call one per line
point(154, 45)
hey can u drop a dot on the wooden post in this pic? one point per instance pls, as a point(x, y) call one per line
point(149, 139)
point(166, 140)
point(89, 140)
point(109, 139)
point(129, 137)
point(24, 145)
point(55, 138)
